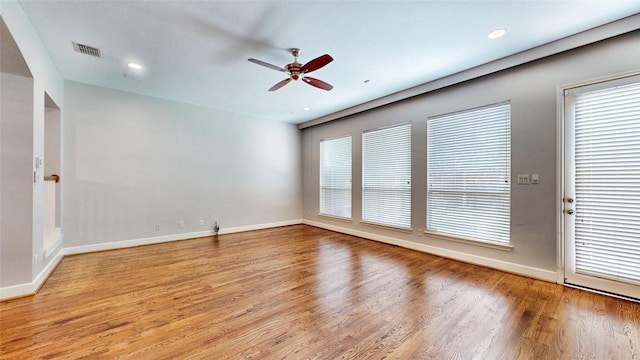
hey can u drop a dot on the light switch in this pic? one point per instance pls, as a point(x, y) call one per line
point(523, 179)
point(535, 178)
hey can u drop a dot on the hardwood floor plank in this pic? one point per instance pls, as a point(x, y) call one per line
point(302, 292)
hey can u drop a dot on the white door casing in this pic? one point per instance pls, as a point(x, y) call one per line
point(601, 190)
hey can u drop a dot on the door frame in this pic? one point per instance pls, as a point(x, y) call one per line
point(560, 173)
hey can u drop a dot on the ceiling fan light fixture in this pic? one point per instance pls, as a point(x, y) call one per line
point(496, 34)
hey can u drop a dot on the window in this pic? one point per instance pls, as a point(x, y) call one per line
point(468, 172)
point(335, 177)
point(386, 176)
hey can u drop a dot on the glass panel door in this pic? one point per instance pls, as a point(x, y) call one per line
point(602, 186)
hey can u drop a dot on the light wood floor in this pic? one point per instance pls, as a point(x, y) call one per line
point(301, 292)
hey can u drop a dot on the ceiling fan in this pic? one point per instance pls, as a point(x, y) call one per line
point(297, 71)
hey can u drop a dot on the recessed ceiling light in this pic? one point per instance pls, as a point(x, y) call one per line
point(306, 108)
point(135, 66)
point(496, 34)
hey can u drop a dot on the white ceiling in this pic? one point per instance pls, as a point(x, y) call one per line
point(196, 51)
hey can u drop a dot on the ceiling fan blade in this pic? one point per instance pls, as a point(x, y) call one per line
point(316, 63)
point(280, 84)
point(265, 64)
point(317, 83)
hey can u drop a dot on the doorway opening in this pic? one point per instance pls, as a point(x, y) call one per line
point(52, 143)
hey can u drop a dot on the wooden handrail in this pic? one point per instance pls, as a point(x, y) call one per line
point(52, 177)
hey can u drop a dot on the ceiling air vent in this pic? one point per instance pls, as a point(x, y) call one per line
point(86, 49)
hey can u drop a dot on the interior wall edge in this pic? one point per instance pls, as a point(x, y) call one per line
point(518, 269)
point(31, 288)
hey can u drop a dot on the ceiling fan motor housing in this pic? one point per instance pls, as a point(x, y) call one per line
point(294, 69)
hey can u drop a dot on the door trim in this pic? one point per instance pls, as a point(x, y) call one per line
point(560, 184)
point(560, 178)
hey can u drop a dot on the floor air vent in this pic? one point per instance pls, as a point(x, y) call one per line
point(86, 49)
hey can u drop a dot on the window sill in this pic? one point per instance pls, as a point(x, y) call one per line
point(384, 226)
point(469, 241)
point(336, 217)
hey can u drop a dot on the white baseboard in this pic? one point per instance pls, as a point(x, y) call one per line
point(260, 226)
point(133, 242)
point(31, 288)
point(53, 248)
point(14, 291)
point(174, 237)
point(506, 266)
point(56, 257)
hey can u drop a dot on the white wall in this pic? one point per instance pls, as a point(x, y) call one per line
point(132, 161)
point(28, 269)
point(531, 88)
point(16, 136)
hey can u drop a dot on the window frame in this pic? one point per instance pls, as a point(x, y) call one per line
point(373, 141)
point(469, 197)
point(322, 188)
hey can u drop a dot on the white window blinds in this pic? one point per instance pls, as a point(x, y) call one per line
point(335, 177)
point(607, 182)
point(468, 173)
point(386, 176)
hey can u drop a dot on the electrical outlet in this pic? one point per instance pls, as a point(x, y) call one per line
point(420, 232)
point(158, 227)
point(181, 224)
point(201, 222)
point(535, 178)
